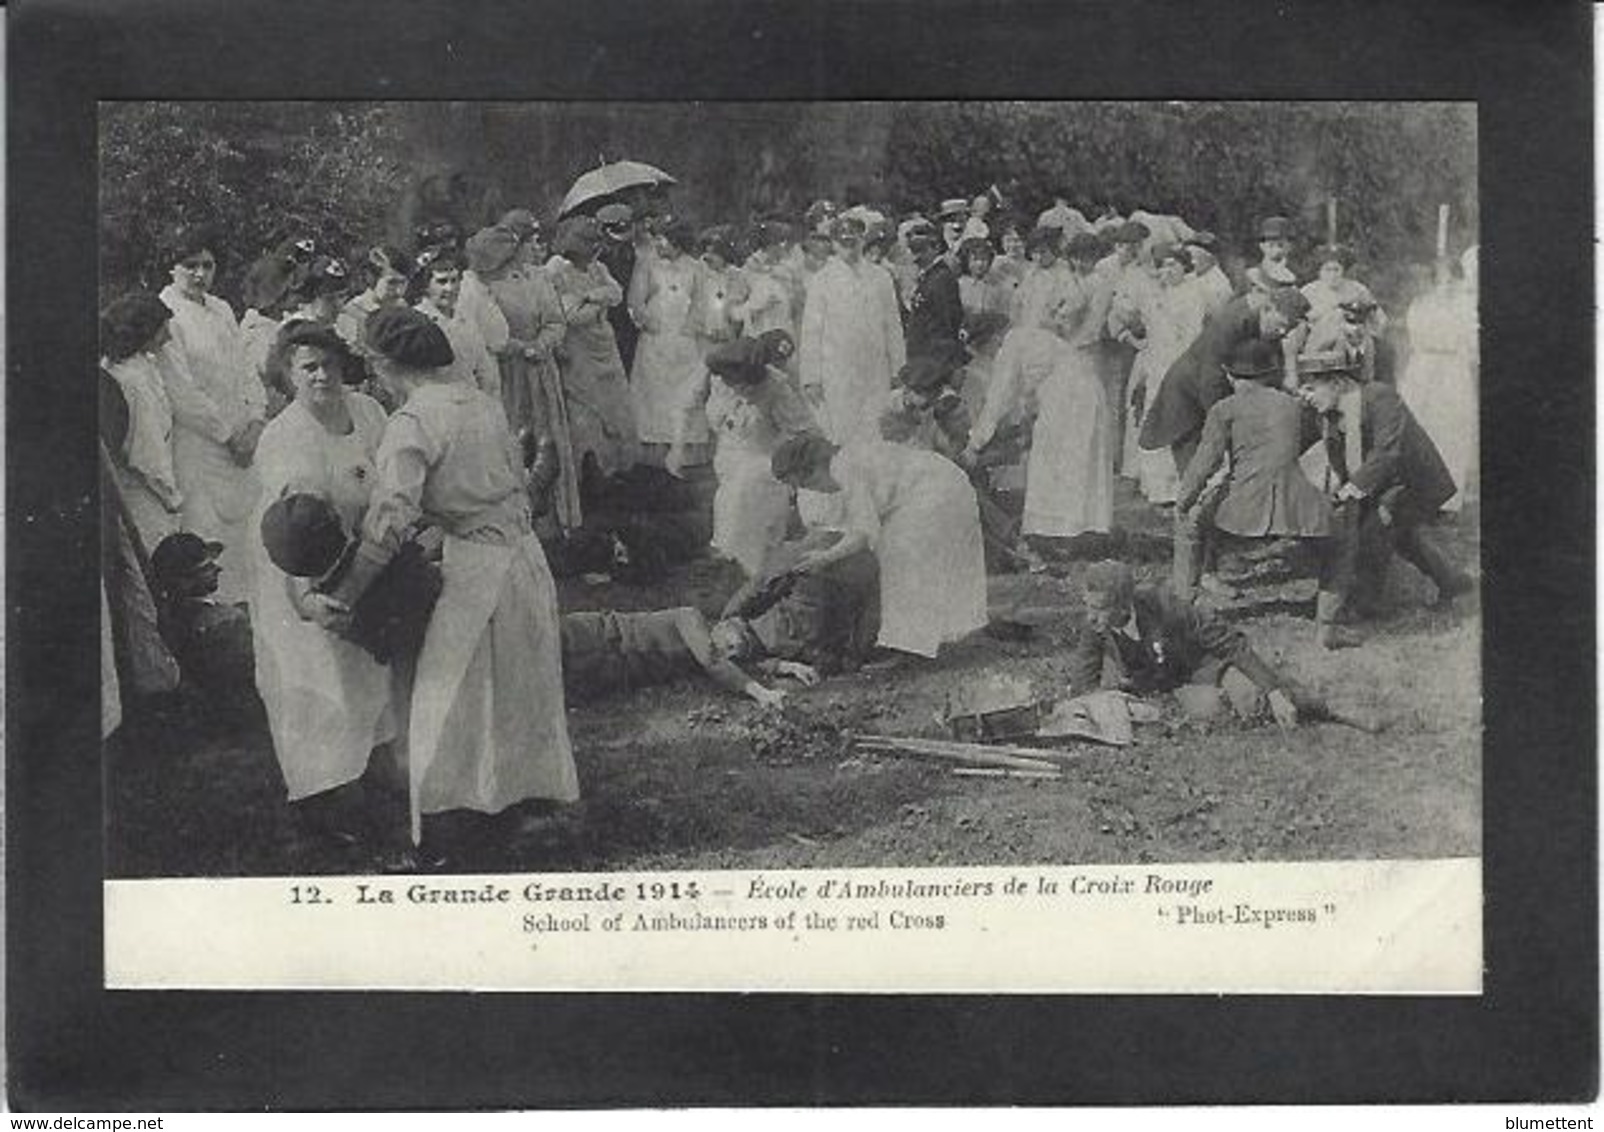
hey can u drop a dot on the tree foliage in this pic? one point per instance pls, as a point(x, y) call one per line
point(1221, 165)
point(350, 174)
point(252, 173)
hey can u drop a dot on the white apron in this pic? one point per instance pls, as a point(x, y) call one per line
point(487, 727)
point(1069, 477)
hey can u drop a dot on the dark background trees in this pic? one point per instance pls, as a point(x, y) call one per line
point(355, 173)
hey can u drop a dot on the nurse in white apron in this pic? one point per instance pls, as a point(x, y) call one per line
point(486, 722)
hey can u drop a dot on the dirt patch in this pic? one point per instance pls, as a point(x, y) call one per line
point(679, 777)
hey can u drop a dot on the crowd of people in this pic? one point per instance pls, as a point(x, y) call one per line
point(351, 490)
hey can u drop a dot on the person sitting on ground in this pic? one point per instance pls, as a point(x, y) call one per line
point(1145, 640)
point(210, 639)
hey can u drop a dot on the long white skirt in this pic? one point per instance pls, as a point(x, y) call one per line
point(932, 565)
point(487, 724)
point(1153, 469)
point(1440, 390)
point(661, 383)
point(219, 499)
point(1069, 479)
point(328, 702)
point(750, 508)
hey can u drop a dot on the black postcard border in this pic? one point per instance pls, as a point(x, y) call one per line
point(1533, 1036)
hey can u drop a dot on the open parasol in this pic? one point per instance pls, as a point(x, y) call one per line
point(613, 177)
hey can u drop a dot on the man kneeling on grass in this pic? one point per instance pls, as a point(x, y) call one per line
point(1146, 640)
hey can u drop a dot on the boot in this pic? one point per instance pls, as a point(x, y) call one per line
point(1328, 612)
point(1417, 550)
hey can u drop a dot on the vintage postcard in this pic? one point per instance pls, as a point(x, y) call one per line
point(958, 546)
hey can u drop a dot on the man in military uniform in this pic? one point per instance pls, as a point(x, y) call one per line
point(935, 311)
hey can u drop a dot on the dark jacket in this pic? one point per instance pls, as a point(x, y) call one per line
point(1179, 644)
point(935, 314)
point(829, 619)
point(1267, 493)
point(1196, 380)
point(619, 259)
point(1397, 452)
point(608, 651)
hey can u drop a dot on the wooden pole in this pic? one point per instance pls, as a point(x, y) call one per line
point(1442, 231)
point(974, 754)
point(1331, 220)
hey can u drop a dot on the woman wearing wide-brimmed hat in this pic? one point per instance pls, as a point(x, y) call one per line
point(515, 302)
point(216, 430)
point(486, 727)
point(600, 413)
point(328, 702)
point(668, 359)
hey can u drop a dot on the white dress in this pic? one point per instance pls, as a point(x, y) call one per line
point(919, 513)
point(1069, 475)
point(328, 702)
point(1040, 297)
point(145, 474)
point(668, 359)
point(1439, 381)
point(486, 725)
point(852, 346)
point(751, 508)
point(219, 495)
point(1173, 317)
